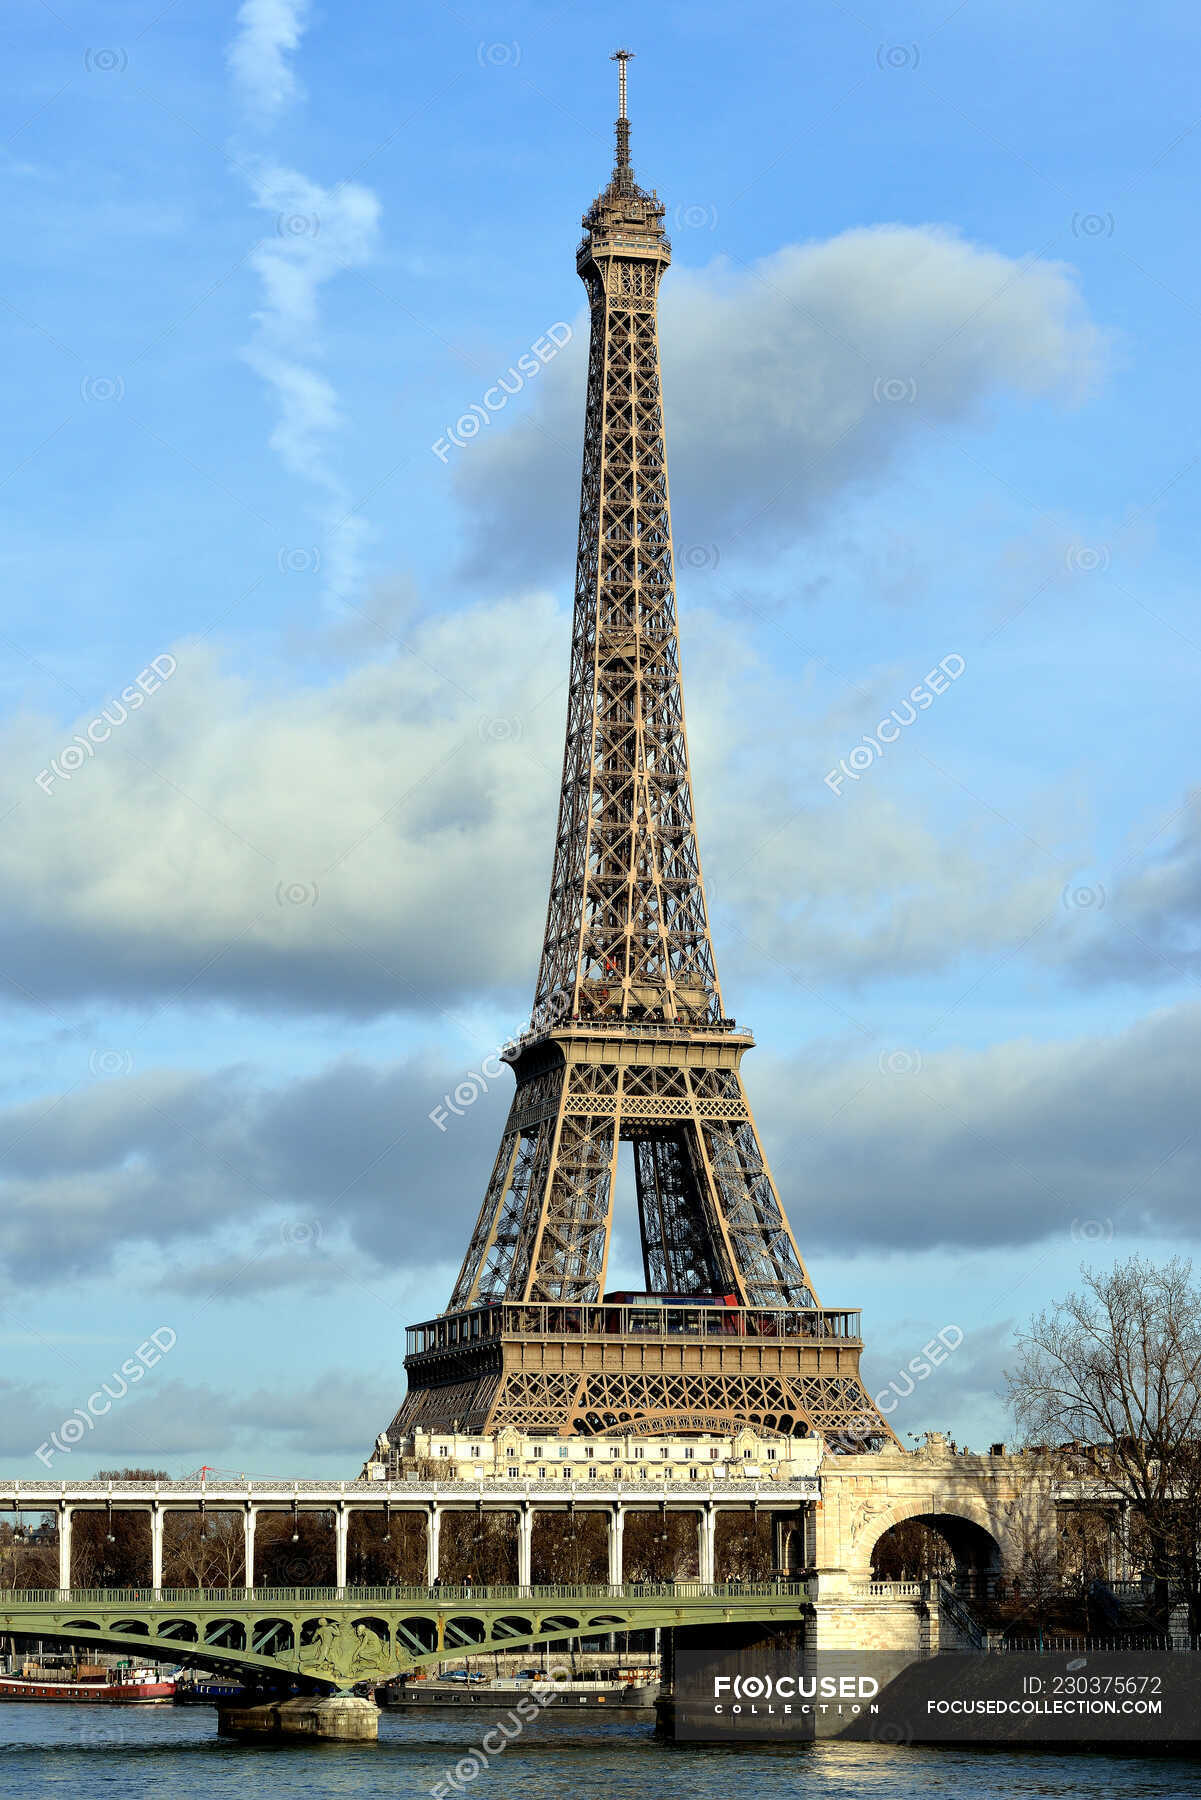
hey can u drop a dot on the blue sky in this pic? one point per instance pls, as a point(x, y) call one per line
point(929, 346)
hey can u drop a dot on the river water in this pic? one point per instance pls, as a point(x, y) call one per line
point(94, 1753)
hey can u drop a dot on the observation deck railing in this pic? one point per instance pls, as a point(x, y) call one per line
point(509, 1319)
point(619, 1027)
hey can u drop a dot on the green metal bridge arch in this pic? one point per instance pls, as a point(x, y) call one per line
point(332, 1639)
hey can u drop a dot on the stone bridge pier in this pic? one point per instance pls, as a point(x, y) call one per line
point(990, 1512)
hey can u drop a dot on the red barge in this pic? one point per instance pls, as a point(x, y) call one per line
point(115, 1687)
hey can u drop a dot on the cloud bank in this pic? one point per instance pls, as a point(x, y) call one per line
point(791, 382)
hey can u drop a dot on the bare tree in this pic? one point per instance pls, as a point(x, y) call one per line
point(27, 1560)
point(203, 1550)
point(660, 1546)
point(570, 1547)
point(1086, 1538)
point(1112, 1376)
point(744, 1547)
point(912, 1551)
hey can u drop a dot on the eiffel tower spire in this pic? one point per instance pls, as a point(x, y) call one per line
point(629, 1038)
point(622, 170)
point(627, 935)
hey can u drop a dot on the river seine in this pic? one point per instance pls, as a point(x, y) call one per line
point(77, 1753)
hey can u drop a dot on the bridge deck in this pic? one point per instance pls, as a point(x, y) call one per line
point(336, 1638)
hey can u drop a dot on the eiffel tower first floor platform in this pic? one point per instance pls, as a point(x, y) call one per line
point(661, 1369)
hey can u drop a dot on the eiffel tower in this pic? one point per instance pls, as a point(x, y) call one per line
point(629, 1037)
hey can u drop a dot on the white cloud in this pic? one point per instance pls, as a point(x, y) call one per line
point(788, 383)
point(1153, 907)
point(382, 842)
point(880, 879)
point(1088, 1146)
point(268, 32)
point(376, 843)
point(217, 1184)
point(178, 1424)
point(313, 234)
point(1075, 1149)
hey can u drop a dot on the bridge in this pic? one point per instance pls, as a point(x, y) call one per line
point(356, 1624)
point(367, 1616)
point(354, 1505)
point(331, 1640)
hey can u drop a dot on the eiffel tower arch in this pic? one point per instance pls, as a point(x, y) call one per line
point(629, 1038)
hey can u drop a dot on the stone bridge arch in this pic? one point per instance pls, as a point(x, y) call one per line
point(976, 1538)
point(972, 1547)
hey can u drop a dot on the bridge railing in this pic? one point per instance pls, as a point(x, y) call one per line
point(960, 1614)
point(891, 1590)
point(729, 1482)
point(107, 1598)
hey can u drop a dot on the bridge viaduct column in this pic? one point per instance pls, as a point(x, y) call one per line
point(64, 1546)
point(706, 1526)
point(433, 1532)
point(525, 1545)
point(341, 1543)
point(249, 1518)
point(617, 1525)
point(156, 1546)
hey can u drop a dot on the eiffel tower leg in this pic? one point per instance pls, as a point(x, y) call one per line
point(564, 1249)
point(678, 1255)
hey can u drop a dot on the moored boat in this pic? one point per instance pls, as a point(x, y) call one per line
point(115, 1687)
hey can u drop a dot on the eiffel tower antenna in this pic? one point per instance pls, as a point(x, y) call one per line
point(629, 1039)
point(623, 170)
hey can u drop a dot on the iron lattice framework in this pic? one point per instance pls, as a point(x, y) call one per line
point(629, 1038)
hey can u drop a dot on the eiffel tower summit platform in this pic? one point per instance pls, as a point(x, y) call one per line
point(629, 1038)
